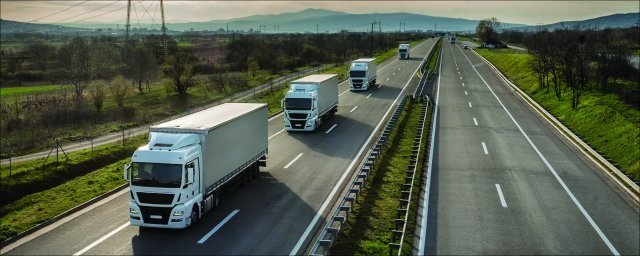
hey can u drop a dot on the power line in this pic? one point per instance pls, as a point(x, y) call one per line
point(46, 16)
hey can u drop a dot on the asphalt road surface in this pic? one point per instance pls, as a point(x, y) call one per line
point(503, 182)
point(268, 216)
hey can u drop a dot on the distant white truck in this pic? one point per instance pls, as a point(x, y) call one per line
point(362, 74)
point(309, 101)
point(403, 51)
point(176, 178)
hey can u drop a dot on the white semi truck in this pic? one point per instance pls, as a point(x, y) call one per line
point(403, 51)
point(309, 101)
point(362, 74)
point(177, 177)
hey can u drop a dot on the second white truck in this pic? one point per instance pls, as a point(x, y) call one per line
point(403, 51)
point(176, 178)
point(362, 74)
point(309, 101)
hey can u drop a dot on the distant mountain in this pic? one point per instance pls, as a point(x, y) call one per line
point(620, 20)
point(9, 26)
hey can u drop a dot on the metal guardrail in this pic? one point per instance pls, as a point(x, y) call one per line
point(322, 245)
point(402, 213)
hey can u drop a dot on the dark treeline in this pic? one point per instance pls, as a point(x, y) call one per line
point(579, 60)
point(285, 52)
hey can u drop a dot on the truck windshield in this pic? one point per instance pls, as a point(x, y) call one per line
point(357, 73)
point(297, 104)
point(156, 175)
point(403, 50)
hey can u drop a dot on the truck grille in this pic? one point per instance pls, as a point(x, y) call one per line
point(148, 211)
point(297, 124)
point(154, 198)
point(297, 116)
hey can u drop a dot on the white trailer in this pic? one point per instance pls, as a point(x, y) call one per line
point(309, 101)
point(362, 74)
point(176, 178)
point(403, 51)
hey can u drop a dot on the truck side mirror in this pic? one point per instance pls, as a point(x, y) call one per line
point(282, 103)
point(127, 167)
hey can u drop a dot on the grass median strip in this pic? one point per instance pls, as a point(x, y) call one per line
point(367, 232)
point(609, 125)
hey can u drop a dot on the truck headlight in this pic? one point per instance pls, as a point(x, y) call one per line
point(178, 213)
point(134, 211)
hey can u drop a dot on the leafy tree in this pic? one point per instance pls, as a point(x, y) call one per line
point(253, 67)
point(97, 92)
point(119, 90)
point(487, 30)
point(179, 69)
point(142, 65)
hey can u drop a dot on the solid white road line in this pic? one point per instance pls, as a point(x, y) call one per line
point(425, 200)
point(353, 109)
point(315, 219)
point(342, 93)
point(331, 129)
point(470, 104)
point(502, 201)
point(276, 116)
point(369, 95)
point(484, 147)
point(551, 169)
point(102, 239)
point(275, 134)
point(475, 121)
point(465, 93)
point(215, 229)
point(293, 161)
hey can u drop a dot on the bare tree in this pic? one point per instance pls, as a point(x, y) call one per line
point(74, 65)
point(119, 90)
point(142, 65)
point(97, 91)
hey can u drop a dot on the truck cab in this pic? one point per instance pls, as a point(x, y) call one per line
point(165, 181)
point(362, 74)
point(403, 51)
point(301, 108)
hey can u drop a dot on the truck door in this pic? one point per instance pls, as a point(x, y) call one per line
point(195, 166)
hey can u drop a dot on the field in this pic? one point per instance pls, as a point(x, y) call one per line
point(7, 92)
point(609, 125)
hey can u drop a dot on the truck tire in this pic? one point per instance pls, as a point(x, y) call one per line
point(195, 215)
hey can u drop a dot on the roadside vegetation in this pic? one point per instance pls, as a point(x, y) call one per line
point(609, 124)
point(432, 62)
point(368, 230)
point(66, 184)
point(196, 71)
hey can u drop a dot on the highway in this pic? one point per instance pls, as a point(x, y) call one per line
point(275, 214)
point(503, 182)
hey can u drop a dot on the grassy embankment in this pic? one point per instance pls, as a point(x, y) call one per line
point(32, 209)
point(609, 125)
point(433, 59)
point(368, 230)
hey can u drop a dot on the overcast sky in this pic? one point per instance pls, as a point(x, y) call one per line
point(526, 12)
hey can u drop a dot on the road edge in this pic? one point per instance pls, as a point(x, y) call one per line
point(630, 188)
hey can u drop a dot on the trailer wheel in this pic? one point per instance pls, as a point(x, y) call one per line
point(195, 215)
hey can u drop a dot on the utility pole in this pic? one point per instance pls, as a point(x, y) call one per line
point(164, 29)
point(127, 26)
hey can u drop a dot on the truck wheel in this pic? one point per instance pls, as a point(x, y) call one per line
point(195, 215)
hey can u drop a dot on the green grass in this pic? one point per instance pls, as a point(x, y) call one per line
point(39, 207)
point(434, 57)
point(6, 92)
point(368, 230)
point(607, 123)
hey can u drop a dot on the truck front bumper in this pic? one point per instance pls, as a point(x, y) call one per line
point(172, 220)
point(300, 125)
